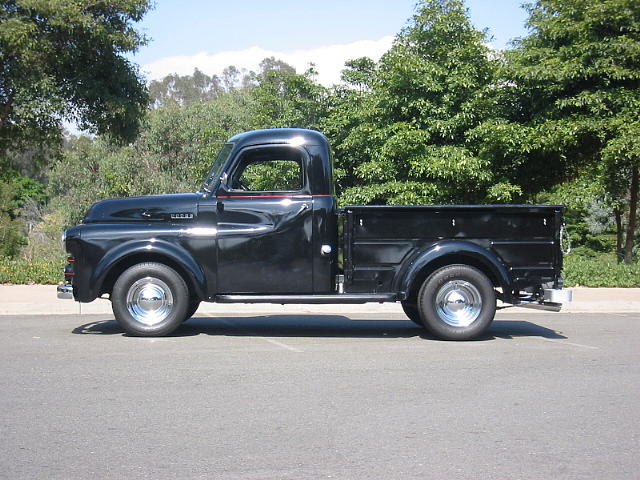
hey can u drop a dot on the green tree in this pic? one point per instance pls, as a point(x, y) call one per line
point(10, 227)
point(64, 59)
point(418, 107)
point(348, 109)
point(16, 191)
point(185, 90)
point(284, 98)
point(575, 87)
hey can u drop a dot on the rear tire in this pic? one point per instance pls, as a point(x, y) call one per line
point(457, 302)
point(150, 300)
point(193, 307)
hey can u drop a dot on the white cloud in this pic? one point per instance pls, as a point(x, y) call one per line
point(329, 60)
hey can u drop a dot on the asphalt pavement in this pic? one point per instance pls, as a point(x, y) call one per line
point(316, 396)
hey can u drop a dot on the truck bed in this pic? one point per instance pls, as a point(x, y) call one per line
point(380, 240)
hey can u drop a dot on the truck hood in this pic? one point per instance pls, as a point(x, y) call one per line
point(178, 207)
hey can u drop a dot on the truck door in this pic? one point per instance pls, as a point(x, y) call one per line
point(265, 223)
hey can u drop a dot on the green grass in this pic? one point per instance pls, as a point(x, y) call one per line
point(23, 272)
point(588, 269)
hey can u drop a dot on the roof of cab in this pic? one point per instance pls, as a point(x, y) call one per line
point(291, 136)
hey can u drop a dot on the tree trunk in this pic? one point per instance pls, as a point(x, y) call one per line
point(617, 212)
point(633, 212)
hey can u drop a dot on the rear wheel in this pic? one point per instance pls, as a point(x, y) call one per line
point(194, 303)
point(150, 299)
point(457, 302)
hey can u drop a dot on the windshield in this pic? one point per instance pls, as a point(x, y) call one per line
point(216, 168)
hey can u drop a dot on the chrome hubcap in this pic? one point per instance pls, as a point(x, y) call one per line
point(458, 303)
point(149, 301)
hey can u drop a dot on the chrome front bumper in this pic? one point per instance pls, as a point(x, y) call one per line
point(65, 291)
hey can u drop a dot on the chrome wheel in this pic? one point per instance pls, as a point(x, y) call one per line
point(458, 303)
point(149, 301)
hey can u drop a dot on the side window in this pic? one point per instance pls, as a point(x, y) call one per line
point(269, 169)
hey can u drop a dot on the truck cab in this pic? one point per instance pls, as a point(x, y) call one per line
point(265, 228)
point(274, 210)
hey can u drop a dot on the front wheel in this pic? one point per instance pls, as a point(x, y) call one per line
point(457, 302)
point(150, 300)
point(411, 311)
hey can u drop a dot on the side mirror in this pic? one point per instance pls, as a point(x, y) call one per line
point(224, 184)
point(224, 178)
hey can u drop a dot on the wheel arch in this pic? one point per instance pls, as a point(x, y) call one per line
point(450, 253)
point(126, 255)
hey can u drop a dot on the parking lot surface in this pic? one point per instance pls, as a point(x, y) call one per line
point(353, 396)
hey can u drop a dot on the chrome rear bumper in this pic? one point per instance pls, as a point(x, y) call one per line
point(551, 301)
point(558, 295)
point(65, 291)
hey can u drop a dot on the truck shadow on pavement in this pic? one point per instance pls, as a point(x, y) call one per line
point(314, 325)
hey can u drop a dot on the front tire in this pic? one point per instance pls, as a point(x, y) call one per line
point(150, 300)
point(457, 302)
point(411, 311)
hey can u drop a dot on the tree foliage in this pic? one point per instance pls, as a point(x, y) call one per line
point(412, 115)
point(64, 59)
point(16, 191)
point(575, 85)
point(285, 98)
point(278, 95)
point(185, 89)
point(10, 228)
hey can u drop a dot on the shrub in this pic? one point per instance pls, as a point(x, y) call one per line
point(588, 269)
point(24, 272)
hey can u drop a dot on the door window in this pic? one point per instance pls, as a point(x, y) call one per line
point(271, 169)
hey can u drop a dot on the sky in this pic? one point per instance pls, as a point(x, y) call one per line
point(210, 35)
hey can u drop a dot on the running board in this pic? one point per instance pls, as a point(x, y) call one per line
point(318, 299)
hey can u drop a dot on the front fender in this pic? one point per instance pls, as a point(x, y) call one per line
point(175, 253)
point(458, 249)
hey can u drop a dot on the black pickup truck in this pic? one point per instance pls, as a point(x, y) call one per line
point(265, 228)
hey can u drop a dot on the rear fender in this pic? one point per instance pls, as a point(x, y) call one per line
point(458, 251)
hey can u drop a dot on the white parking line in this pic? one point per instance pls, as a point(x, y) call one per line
point(253, 334)
point(563, 342)
point(283, 345)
